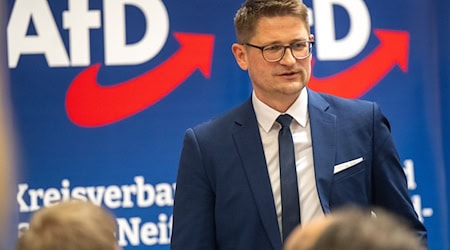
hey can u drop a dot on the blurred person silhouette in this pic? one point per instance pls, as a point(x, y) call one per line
point(354, 228)
point(70, 225)
point(7, 156)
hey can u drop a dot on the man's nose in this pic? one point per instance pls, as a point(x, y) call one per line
point(288, 56)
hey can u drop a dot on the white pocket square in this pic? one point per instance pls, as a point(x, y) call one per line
point(343, 166)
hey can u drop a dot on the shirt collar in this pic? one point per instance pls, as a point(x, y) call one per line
point(266, 115)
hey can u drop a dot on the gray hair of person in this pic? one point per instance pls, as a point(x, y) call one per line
point(251, 11)
point(70, 225)
point(356, 229)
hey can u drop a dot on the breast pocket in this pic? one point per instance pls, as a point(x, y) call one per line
point(351, 186)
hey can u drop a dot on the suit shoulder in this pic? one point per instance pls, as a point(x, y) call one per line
point(347, 110)
point(225, 121)
point(347, 104)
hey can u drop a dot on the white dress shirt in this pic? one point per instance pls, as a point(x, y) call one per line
point(310, 207)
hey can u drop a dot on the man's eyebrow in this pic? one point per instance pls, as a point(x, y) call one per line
point(281, 43)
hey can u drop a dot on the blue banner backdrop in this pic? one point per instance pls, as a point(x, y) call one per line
point(102, 92)
point(444, 69)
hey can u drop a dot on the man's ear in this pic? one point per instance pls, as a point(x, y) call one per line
point(240, 55)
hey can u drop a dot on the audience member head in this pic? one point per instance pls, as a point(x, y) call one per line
point(354, 229)
point(70, 225)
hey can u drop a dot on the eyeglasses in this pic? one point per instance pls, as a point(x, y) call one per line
point(275, 52)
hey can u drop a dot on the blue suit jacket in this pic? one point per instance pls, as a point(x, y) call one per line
point(224, 200)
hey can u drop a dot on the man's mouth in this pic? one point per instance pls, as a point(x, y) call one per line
point(289, 74)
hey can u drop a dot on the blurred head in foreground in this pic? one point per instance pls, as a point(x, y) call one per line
point(70, 225)
point(354, 229)
point(7, 152)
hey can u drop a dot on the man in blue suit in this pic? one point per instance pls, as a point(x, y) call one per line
point(229, 182)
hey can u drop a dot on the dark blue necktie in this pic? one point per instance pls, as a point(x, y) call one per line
point(290, 205)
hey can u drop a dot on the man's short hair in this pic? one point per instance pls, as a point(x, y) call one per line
point(70, 225)
point(251, 11)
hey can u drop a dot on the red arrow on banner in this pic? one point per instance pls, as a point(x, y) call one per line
point(360, 78)
point(89, 104)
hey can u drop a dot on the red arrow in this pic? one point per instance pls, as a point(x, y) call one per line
point(360, 78)
point(89, 104)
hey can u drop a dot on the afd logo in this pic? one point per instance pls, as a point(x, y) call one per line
point(393, 49)
point(89, 104)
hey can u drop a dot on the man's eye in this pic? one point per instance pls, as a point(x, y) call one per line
point(273, 48)
point(299, 45)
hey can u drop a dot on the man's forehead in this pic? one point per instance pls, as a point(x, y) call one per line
point(281, 27)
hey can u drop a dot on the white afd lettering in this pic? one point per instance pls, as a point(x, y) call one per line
point(328, 48)
point(47, 41)
point(408, 167)
point(117, 51)
point(79, 20)
point(133, 231)
point(139, 193)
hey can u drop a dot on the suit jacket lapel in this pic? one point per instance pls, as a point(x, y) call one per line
point(249, 146)
point(323, 134)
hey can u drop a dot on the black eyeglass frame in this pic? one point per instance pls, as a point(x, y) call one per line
point(310, 46)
